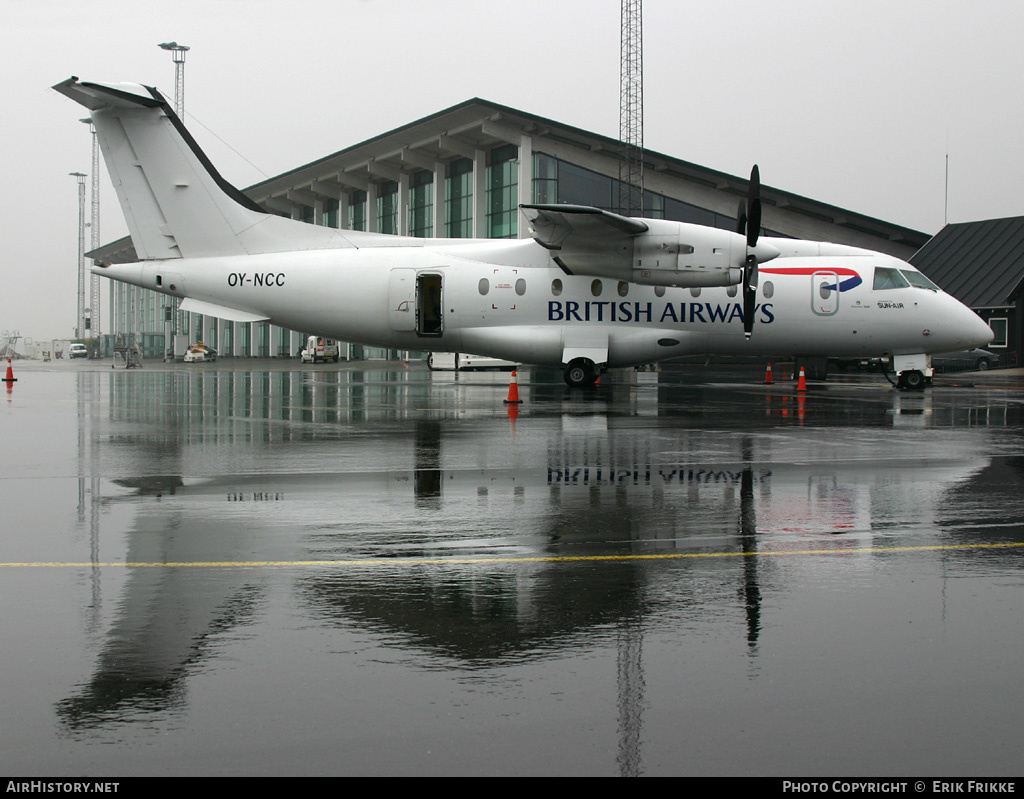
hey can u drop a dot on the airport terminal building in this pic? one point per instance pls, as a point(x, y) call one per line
point(462, 172)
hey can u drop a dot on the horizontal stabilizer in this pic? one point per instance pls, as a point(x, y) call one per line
point(220, 311)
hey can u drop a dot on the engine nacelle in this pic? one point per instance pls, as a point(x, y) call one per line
point(691, 256)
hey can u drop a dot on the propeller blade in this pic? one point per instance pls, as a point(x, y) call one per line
point(753, 207)
point(754, 223)
point(749, 294)
point(749, 224)
point(741, 219)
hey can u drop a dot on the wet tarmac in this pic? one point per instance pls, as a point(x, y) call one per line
point(246, 568)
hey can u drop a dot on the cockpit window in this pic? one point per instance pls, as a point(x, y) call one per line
point(887, 278)
point(917, 280)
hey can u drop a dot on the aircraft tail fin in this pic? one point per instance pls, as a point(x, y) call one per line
point(175, 202)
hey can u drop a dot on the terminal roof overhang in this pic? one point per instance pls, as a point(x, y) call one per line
point(478, 124)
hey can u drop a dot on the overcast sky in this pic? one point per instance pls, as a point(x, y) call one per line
point(851, 103)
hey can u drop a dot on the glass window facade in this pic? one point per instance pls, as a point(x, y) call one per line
point(545, 179)
point(503, 193)
point(387, 207)
point(556, 181)
point(458, 205)
point(331, 217)
point(421, 205)
point(357, 211)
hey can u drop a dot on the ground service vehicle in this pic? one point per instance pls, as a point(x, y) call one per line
point(319, 349)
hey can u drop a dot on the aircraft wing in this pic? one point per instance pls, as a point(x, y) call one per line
point(585, 240)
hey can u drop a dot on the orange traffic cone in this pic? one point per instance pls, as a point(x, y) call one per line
point(513, 389)
point(10, 374)
point(768, 376)
point(801, 383)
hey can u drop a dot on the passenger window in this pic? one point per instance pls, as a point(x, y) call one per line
point(556, 287)
point(520, 287)
point(623, 288)
point(731, 291)
point(595, 288)
point(886, 278)
point(484, 285)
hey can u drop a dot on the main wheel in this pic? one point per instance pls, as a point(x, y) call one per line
point(580, 372)
point(981, 365)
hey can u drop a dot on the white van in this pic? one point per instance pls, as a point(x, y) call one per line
point(319, 349)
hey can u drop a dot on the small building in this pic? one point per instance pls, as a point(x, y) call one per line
point(982, 265)
point(462, 172)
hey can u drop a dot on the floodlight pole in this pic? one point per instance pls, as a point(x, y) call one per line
point(80, 320)
point(94, 239)
point(178, 54)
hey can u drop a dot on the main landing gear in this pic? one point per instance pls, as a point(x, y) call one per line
point(581, 372)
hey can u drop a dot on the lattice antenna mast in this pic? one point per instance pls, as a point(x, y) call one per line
point(631, 109)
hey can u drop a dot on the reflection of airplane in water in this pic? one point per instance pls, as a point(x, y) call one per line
point(586, 486)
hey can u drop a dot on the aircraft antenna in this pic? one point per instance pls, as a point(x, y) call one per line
point(631, 109)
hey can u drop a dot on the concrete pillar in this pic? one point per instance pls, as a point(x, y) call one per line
point(403, 204)
point(525, 179)
point(371, 208)
point(343, 206)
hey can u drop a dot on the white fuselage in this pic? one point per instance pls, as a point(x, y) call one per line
point(508, 299)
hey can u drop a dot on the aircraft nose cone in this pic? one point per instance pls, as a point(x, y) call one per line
point(973, 329)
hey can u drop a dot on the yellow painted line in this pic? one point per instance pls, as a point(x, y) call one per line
point(376, 562)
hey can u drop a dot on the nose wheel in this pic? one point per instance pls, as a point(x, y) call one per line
point(912, 380)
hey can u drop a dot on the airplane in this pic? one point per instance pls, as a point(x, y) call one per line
point(590, 291)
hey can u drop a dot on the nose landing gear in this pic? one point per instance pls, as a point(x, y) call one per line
point(912, 380)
